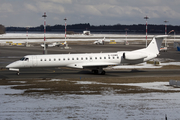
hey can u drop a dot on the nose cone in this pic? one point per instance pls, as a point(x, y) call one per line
point(13, 65)
point(10, 65)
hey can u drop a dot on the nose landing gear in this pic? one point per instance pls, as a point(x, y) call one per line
point(18, 73)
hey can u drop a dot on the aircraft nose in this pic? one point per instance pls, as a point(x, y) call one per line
point(12, 65)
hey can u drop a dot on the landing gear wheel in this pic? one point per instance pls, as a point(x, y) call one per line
point(103, 72)
point(95, 71)
point(17, 73)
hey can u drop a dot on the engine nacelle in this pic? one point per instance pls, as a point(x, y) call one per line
point(133, 56)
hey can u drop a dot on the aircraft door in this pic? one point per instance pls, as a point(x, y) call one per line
point(34, 60)
point(26, 62)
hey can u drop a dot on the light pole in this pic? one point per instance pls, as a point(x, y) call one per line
point(27, 37)
point(146, 28)
point(126, 43)
point(165, 30)
point(45, 51)
point(65, 27)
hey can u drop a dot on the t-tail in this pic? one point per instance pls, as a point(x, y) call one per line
point(148, 53)
point(155, 44)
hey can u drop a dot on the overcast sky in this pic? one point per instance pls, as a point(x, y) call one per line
point(96, 12)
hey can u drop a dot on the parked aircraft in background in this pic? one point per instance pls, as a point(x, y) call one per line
point(99, 42)
point(163, 49)
point(54, 44)
point(93, 61)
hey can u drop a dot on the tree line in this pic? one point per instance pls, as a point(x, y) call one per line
point(78, 28)
point(2, 29)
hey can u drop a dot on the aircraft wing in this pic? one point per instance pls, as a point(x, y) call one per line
point(90, 65)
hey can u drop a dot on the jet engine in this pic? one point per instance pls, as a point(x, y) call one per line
point(134, 56)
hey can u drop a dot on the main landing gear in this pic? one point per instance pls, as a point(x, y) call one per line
point(101, 72)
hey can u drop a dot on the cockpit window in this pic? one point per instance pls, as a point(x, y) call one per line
point(24, 59)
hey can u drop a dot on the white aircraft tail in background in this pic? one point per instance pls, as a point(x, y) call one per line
point(93, 61)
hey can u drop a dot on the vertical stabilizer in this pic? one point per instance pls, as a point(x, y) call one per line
point(155, 44)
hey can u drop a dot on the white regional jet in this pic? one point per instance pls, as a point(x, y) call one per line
point(93, 61)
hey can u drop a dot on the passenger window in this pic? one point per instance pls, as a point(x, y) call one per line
point(49, 59)
point(72, 58)
point(44, 59)
point(59, 59)
point(100, 58)
point(77, 58)
point(68, 59)
point(81, 58)
point(109, 57)
point(63, 58)
point(41, 60)
point(104, 57)
point(54, 59)
point(86, 58)
point(95, 57)
point(113, 57)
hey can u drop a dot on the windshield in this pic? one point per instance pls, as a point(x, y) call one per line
point(24, 59)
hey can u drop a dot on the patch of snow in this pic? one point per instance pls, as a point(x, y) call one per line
point(58, 80)
point(145, 65)
point(170, 63)
point(141, 65)
point(108, 105)
point(154, 85)
point(8, 90)
point(18, 81)
point(87, 82)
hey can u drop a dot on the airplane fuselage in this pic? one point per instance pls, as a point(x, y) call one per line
point(94, 61)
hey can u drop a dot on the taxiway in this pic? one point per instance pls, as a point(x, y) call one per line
point(9, 54)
